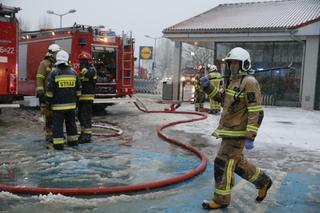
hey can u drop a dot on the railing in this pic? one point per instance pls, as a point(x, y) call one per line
point(146, 86)
point(268, 100)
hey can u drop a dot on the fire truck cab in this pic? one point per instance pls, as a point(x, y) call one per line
point(113, 57)
point(8, 55)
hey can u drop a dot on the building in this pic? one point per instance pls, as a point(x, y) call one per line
point(276, 33)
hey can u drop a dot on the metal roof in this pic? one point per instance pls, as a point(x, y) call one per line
point(267, 16)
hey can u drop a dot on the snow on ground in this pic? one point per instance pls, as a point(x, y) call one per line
point(294, 127)
point(287, 146)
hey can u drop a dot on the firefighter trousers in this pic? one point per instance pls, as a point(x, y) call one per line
point(199, 98)
point(46, 112)
point(214, 105)
point(59, 117)
point(230, 160)
point(85, 116)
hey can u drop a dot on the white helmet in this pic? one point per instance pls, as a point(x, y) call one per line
point(53, 48)
point(62, 57)
point(212, 68)
point(242, 55)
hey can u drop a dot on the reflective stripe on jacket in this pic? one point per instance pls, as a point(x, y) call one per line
point(242, 111)
point(64, 88)
point(43, 72)
point(215, 79)
point(88, 77)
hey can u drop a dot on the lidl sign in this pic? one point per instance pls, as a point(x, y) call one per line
point(146, 52)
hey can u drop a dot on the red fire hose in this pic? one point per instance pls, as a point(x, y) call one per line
point(130, 188)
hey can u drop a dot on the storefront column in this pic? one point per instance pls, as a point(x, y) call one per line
point(176, 70)
point(310, 73)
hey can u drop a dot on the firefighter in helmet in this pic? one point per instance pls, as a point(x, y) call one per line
point(199, 95)
point(63, 92)
point(215, 79)
point(88, 77)
point(239, 123)
point(44, 69)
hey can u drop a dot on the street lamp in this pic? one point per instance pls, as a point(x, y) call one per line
point(154, 49)
point(53, 13)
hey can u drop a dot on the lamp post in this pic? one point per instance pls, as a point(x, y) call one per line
point(60, 15)
point(154, 50)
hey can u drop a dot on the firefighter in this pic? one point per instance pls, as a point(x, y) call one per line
point(88, 77)
point(44, 69)
point(199, 95)
point(239, 123)
point(64, 89)
point(215, 79)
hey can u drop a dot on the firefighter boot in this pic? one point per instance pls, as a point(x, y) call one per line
point(262, 192)
point(216, 112)
point(85, 138)
point(211, 204)
point(49, 139)
point(58, 146)
point(48, 135)
point(263, 184)
point(58, 143)
point(72, 143)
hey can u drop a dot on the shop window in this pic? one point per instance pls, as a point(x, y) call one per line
point(282, 84)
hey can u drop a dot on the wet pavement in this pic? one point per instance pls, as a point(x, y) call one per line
point(290, 156)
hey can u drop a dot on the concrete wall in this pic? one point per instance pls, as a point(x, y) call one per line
point(310, 73)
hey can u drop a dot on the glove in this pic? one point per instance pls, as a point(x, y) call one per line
point(248, 144)
point(42, 98)
point(204, 81)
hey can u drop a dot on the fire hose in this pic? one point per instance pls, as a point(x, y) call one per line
point(136, 187)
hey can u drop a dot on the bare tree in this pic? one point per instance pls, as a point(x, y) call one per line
point(191, 56)
point(165, 57)
point(23, 24)
point(195, 55)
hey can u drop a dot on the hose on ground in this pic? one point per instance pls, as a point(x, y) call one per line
point(131, 188)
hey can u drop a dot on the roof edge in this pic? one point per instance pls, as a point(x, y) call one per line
point(306, 23)
point(245, 30)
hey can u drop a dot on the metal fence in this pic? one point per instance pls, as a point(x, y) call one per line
point(146, 86)
point(268, 100)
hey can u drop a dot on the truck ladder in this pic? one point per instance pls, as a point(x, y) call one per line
point(127, 59)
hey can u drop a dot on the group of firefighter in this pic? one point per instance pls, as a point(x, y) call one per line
point(61, 91)
point(64, 95)
point(215, 78)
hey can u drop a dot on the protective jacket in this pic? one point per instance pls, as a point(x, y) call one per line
point(199, 95)
point(197, 85)
point(242, 111)
point(64, 89)
point(43, 72)
point(88, 77)
point(215, 79)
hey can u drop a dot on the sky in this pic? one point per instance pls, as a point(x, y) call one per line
point(142, 17)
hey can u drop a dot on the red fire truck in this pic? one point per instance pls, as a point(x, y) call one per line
point(113, 57)
point(8, 55)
